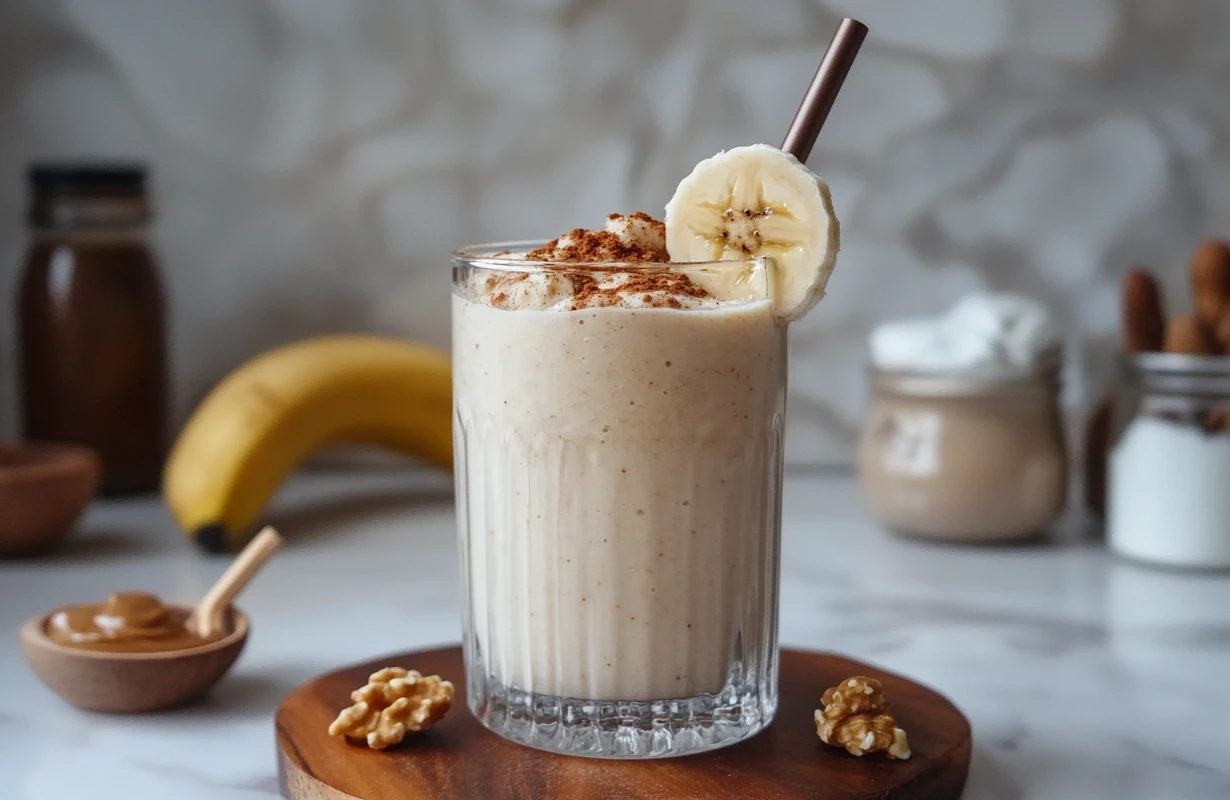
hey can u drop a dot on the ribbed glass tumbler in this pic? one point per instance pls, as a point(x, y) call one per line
point(618, 469)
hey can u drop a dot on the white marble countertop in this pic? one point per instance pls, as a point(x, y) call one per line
point(1084, 677)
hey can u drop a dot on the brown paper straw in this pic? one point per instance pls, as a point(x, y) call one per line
point(818, 100)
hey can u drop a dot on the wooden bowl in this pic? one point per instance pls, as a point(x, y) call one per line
point(129, 683)
point(44, 487)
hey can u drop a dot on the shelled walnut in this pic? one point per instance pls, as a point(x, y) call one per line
point(856, 716)
point(393, 703)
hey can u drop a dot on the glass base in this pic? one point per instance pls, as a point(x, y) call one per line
point(621, 730)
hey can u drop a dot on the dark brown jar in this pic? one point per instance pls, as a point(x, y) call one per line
point(92, 326)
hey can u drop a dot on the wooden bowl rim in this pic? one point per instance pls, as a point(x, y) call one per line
point(32, 633)
point(50, 460)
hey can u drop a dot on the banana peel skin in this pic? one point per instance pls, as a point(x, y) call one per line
point(278, 409)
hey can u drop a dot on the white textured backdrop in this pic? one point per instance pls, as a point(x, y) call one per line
point(317, 159)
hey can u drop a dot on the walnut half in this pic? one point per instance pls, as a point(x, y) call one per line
point(393, 703)
point(856, 716)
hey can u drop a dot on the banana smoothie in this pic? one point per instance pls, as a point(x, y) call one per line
point(626, 458)
point(618, 435)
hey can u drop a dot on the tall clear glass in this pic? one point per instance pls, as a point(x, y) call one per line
point(619, 475)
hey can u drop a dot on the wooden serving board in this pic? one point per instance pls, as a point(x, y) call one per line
point(459, 759)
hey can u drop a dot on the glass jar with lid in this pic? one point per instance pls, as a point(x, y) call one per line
point(966, 457)
point(1168, 498)
point(91, 320)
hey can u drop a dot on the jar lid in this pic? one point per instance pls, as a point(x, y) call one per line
point(86, 176)
point(1181, 363)
point(93, 194)
point(1179, 372)
point(933, 383)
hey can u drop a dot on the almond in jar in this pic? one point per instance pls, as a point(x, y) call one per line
point(964, 438)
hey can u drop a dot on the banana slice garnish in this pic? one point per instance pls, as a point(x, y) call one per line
point(755, 201)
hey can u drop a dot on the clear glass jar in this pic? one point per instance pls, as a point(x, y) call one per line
point(1168, 500)
point(965, 458)
point(619, 477)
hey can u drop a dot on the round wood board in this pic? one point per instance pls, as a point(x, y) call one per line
point(459, 759)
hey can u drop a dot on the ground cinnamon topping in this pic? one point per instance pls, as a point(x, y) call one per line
point(634, 238)
point(585, 246)
point(579, 282)
point(602, 289)
point(657, 289)
point(583, 286)
point(658, 226)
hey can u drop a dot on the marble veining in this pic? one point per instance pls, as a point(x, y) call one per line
point(316, 161)
point(1083, 676)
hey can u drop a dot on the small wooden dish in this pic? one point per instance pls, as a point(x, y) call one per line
point(44, 487)
point(132, 682)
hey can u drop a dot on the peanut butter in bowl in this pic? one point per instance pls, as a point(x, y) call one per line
point(127, 622)
point(134, 653)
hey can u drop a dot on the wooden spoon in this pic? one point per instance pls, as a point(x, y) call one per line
point(206, 618)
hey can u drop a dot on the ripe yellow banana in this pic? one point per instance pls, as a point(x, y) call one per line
point(281, 407)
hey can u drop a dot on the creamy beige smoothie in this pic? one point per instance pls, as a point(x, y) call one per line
point(622, 465)
point(619, 399)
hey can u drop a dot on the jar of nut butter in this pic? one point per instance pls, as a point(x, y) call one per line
point(964, 438)
point(93, 361)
